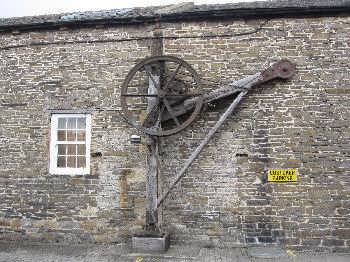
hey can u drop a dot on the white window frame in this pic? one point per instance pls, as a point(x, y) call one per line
point(53, 169)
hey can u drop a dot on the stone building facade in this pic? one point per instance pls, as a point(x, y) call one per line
point(76, 63)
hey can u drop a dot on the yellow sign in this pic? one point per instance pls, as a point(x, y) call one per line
point(139, 259)
point(282, 175)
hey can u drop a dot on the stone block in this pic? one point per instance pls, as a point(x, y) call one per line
point(151, 243)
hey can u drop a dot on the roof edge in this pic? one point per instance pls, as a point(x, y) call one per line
point(210, 14)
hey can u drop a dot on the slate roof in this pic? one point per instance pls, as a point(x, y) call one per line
point(183, 11)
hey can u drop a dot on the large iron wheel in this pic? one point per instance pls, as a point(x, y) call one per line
point(154, 89)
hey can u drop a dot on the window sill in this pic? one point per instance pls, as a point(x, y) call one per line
point(70, 172)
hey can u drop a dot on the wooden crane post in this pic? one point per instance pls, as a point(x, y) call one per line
point(173, 102)
point(152, 161)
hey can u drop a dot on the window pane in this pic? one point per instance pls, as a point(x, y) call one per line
point(71, 135)
point(81, 161)
point(71, 161)
point(72, 123)
point(69, 144)
point(81, 123)
point(72, 149)
point(62, 123)
point(61, 135)
point(61, 161)
point(81, 136)
point(81, 150)
point(62, 149)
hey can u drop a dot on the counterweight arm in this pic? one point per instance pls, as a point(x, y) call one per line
point(283, 69)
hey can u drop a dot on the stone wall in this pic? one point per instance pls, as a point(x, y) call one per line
point(224, 200)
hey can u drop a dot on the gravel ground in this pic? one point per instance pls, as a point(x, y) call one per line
point(118, 253)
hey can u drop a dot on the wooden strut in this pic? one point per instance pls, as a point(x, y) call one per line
point(199, 149)
point(151, 183)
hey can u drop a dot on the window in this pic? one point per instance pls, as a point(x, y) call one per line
point(70, 144)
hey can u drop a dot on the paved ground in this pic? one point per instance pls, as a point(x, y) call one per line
point(35, 253)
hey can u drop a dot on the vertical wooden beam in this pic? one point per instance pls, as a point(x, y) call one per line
point(152, 162)
point(151, 182)
point(152, 152)
point(157, 41)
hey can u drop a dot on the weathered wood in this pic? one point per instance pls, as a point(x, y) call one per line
point(152, 161)
point(235, 87)
point(152, 152)
point(282, 69)
point(151, 182)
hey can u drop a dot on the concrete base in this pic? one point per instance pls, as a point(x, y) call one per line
point(151, 242)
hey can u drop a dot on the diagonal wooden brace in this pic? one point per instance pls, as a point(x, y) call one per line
point(199, 149)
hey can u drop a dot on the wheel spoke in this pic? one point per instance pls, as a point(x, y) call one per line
point(140, 95)
point(155, 95)
point(159, 121)
point(185, 95)
point(173, 76)
point(171, 112)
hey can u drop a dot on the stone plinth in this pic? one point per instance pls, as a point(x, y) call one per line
point(149, 242)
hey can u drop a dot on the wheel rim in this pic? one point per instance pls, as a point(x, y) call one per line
point(177, 81)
